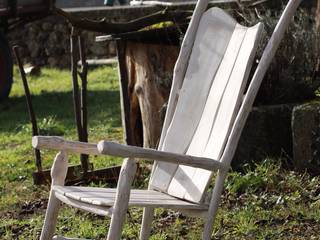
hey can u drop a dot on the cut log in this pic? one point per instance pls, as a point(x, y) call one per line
point(149, 68)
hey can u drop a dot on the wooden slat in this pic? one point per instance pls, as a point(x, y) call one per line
point(214, 32)
point(184, 175)
point(228, 109)
point(140, 198)
point(101, 211)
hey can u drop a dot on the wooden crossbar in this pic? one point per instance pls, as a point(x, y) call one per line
point(120, 150)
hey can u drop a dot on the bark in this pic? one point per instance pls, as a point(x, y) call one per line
point(149, 68)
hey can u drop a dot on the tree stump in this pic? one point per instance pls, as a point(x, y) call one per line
point(149, 69)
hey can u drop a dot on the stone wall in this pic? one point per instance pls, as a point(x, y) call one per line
point(46, 42)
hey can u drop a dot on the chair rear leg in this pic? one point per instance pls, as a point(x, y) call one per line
point(50, 220)
point(214, 204)
point(146, 225)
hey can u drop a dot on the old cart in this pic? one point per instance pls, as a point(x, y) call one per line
point(13, 13)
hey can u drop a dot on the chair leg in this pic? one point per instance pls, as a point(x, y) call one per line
point(50, 220)
point(214, 204)
point(146, 225)
point(127, 173)
point(58, 174)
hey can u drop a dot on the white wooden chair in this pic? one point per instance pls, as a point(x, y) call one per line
point(207, 110)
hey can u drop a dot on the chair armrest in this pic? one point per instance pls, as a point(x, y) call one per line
point(58, 143)
point(120, 150)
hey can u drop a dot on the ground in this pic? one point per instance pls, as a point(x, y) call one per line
point(266, 201)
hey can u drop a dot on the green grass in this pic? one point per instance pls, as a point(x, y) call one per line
point(263, 202)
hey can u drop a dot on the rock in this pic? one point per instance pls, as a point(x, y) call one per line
point(267, 133)
point(47, 26)
point(306, 137)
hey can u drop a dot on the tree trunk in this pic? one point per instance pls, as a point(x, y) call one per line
point(149, 71)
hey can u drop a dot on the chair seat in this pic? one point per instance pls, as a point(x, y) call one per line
point(105, 197)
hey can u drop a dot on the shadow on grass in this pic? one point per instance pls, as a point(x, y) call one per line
point(103, 109)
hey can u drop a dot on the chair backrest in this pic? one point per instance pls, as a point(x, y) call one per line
point(208, 101)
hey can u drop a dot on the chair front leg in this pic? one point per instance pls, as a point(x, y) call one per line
point(120, 207)
point(58, 174)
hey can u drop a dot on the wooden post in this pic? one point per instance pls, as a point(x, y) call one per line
point(76, 98)
point(32, 115)
point(128, 133)
point(58, 174)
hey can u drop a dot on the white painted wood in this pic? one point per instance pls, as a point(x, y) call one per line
point(122, 196)
point(58, 175)
point(88, 207)
point(58, 143)
point(120, 150)
point(213, 35)
point(105, 197)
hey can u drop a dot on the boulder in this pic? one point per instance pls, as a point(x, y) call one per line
point(267, 133)
point(306, 137)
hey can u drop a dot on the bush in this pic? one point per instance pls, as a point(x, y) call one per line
point(294, 73)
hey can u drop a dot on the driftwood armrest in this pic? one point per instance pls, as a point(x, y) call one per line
point(58, 143)
point(120, 150)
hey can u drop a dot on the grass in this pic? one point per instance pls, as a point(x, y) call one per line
point(262, 202)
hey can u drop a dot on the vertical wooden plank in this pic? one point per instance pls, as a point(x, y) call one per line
point(124, 96)
point(215, 27)
point(183, 178)
point(228, 109)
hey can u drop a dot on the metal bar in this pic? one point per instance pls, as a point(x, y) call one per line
point(29, 105)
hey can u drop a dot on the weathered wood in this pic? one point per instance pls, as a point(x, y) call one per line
point(31, 112)
point(58, 174)
point(214, 33)
point(119, 198)
point(245, 109)
point(128, 131)
point(105, 197)
point(83, 74)
point(227, 109)
point(122, 198)
point(103, 26)
point(79, 101)
point(146, 223)
point(101, 211)
point(58, 143)
point(119, 150)
point(67, 238)
point(149, 70)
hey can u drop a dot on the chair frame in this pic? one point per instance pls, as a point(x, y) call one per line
point(118, 211)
